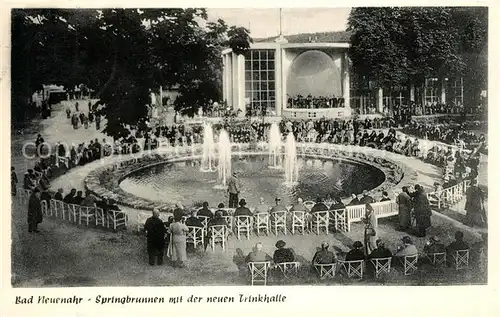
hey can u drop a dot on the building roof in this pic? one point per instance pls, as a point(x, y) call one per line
point(319, 37)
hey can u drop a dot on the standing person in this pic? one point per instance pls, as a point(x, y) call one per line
point(422, 210)
point(474, 206)
point(68, 112)
point(97, 121)
point(155, 233)
point(34, 211)
point(404, 203)
point(13, 181)
point(177, 247)
point(76, 106)
point(233, 189)
point(370, 229)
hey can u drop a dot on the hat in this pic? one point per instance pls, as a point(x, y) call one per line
point(221, 205)
point(280, 244)
point(243, 202)
point(406, 240)
point(278, 199)
point(357, 245)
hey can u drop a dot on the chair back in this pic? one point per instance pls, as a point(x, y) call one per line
point(410, 264)
point(218, 232)
point(204, 220)
point(243, 221)
point(437, 259)
point(326, 270)
point(381, 265)
point(339, 216)
point(45, 207)
point(321, 217)
point(259, 272)
point(298, 218)
point(195, 235)
point(353, 269)
point(461, 259)
point(288, 268)
point(261, 220)
point(279, 217)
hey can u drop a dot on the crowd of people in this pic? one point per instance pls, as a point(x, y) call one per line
point(81, 118)
point(316, 102)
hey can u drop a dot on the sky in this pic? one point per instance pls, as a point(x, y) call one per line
point(265, 22)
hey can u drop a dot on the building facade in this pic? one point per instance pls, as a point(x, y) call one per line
point(313, 80)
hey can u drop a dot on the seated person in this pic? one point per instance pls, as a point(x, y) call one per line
point(299, 206)
point(58, 195)
point(69, 198)
point(324, 256)
point(354, 201)
point(456, 245)
point(217, 220)
point(89, 200)
point(385, 196)
point(337, 204)
point(366, 199)
point(356, 253)
point(257, 255)
point(205, 211)
point(262, 207)
point(242, 210)
point(283, 254)
point(78, 199)
point(407, 248)
point(319, 206)
point(434, 246)
point(193, 221)
point(381, 251)
point(278, 207)
point(221, 209)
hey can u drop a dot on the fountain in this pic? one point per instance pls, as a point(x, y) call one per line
point(224, 164)
point(291, 166)
point(274, 146)
point(208, 156)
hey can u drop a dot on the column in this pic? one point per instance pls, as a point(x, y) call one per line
point(443, 90)
point(234, 88)
point(229, 80)
point(380, 100)
point(240, 101)
point(224, 77)
point(346, 93)
point(278, 81)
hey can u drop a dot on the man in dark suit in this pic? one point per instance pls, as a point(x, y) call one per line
point(354, 201)
point(283, 254)
point(385, 196)
point(319, 206)
point(257, 255)
point(366, 199)
point(204, 211)
point(381, 251)
point(35, 215)
point(155, 232)
point(324, 256)
point(242, 210)
point(69, 198)
point(356, 253)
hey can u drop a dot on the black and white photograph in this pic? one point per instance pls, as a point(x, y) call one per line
point(161, 147)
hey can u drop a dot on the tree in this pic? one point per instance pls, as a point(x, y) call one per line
point(122, 54)
point(239, 40)
point(394, 45)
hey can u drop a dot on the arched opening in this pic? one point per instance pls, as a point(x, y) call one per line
point(314, 73)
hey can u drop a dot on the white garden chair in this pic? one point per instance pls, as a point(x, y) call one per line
point(87, 214)
point(116, 219)
point(262, 223)
point(73, 212)
point(437, 259)
point(382, 266)
point(218, 234)
point(259, 272)
point(461, 259)
point(326, 270)
point(243, 225)
point(320, 221)
point(288, 268)
point(409, 263)
point(100, 218)
point(353, 269)
point(196, 235)
point(340, 219)
point(299, 222)
point(278, 222)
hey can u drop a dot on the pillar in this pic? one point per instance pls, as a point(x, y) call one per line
point(161, 96)
point(443, 90)
point(224, 77)
point(240, 101)
point(229, 80)
point(346, 93)
point(412, 92)
point(278, 81)
point(380, 100)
